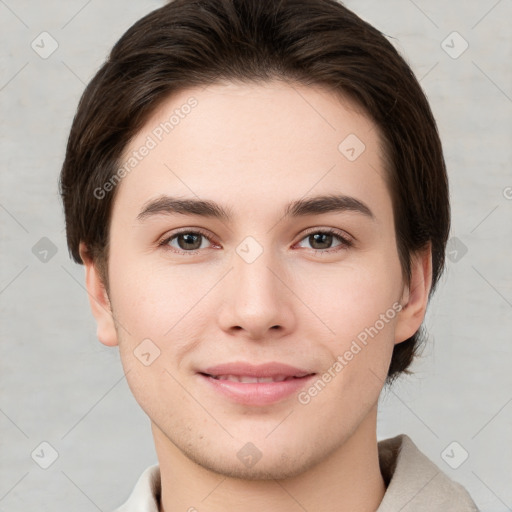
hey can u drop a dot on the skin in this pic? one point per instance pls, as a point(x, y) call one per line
point(252, 149)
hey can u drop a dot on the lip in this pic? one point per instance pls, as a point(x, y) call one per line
point(256, 393)
point(271, 369)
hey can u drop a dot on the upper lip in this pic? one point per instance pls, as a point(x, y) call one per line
point(241, 369)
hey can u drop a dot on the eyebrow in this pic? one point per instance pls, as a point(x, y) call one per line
point(168, 205)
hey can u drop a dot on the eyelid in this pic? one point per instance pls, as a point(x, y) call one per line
point(346, 240)
point(333, 231)
point(165, 239)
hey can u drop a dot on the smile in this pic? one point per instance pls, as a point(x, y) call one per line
point(255, 385)
point(251, 380)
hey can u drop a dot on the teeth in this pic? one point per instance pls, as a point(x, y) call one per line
point(251, 380)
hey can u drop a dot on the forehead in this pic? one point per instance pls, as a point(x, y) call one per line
point(267, 140)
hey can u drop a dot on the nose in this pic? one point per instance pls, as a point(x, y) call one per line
point(257, 299)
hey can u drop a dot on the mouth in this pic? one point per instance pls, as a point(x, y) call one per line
point(252, 380)
point(255, 385)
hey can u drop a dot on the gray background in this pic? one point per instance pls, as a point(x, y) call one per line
point(61, 386)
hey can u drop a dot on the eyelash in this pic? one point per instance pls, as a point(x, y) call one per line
point(345, 242)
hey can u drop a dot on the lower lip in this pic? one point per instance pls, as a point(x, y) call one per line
point(257, 393)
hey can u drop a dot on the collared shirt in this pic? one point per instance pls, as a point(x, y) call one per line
point(414, 483)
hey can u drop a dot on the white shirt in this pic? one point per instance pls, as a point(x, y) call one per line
point(414, 483)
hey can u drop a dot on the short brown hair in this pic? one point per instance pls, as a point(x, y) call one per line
point(190, 43)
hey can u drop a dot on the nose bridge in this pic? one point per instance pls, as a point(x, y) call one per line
point(252, 273)
point(255, 284)
point(256, 300)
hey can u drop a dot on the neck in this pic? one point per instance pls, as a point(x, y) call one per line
point(348, 480)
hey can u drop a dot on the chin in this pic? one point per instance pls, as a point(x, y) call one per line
point(264, 459)
point(273, 467)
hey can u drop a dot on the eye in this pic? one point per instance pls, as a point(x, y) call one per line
point(186, 241)
point(192, 241)
point(321, 240)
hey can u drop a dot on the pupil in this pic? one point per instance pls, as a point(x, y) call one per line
point(322, 238)
point(189, 238)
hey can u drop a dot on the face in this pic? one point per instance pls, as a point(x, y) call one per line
point(257, 333)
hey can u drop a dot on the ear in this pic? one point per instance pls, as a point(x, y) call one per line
point(415, 296)
point(99, 301)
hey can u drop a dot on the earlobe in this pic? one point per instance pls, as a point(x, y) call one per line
point(415, 297)
point(99, 300)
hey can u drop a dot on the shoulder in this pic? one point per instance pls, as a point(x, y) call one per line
point(146, 493)
point(415, 483)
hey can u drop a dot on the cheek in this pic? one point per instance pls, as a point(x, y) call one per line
point(158, 311)
point(361, 308)
point(153, 299)
point(155, 386)
point(350, 385)
point(353, 297)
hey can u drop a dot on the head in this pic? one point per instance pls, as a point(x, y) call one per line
point(254, 106)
